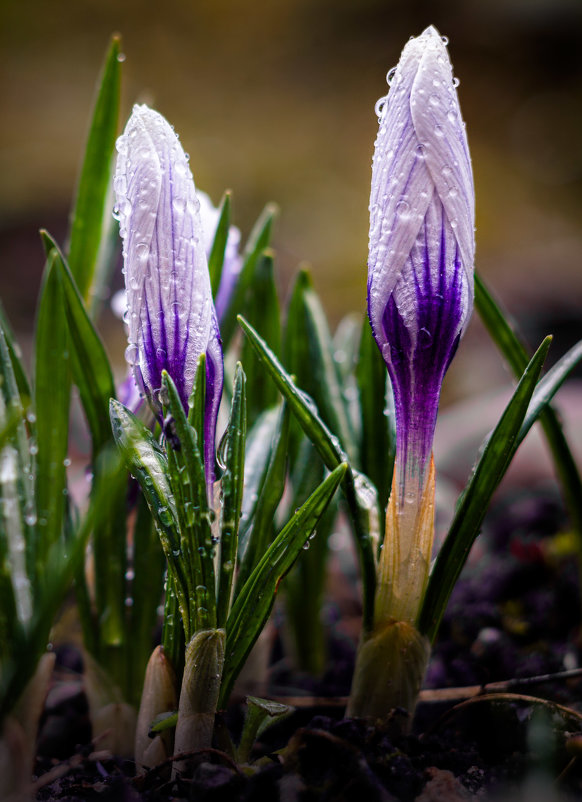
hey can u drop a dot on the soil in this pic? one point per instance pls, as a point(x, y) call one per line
point(483, 729)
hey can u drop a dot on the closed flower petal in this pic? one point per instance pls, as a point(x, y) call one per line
point(170, 313)
point(421, 249)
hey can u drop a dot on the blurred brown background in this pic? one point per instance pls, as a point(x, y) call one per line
point(275, 100)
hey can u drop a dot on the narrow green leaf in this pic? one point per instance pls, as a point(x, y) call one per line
point(90, 204)
point(216, 258)
point(194, 514)
point(263, 313)
point(472, 505)
point(255, 601)
point(549, 386)
point(145, 459)
point(173, 638)
point(232, 493)
point(259, 446)
point(310, 358)
point(304, 585)
point(300, 404)
point(261, 714)
point(51, 403)
point(330, 451)
point(29, 643)
point(14, 435)
point(272, 488)
point(146, 592)
point(197, 404)
point(90, 365)
point(258, 241)
point(20, 376)
point(507, 340)
point(378, 437)
point(110, 562)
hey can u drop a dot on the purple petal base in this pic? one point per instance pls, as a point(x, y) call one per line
point(421, 328)
point(158, 360)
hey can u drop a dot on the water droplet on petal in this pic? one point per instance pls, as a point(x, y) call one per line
point(131, 354)
point(403, 209)
point(380, 106)
point(424, 338)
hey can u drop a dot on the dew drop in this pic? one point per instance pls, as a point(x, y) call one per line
point(403, 209)
point(380, 106)
point(456, 82)
point(390, 75)
point(142, 251)
point(445, 40)
point(424, 338)
point(131, 354)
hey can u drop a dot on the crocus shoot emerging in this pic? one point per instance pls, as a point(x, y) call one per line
point(420, 295)
point(210, 623)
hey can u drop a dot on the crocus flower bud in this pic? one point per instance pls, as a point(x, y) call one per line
point(170, 314)
point(420, 287)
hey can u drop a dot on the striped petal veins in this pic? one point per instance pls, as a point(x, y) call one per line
point(170, 314)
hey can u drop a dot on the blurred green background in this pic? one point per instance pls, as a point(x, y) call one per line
point(275, 100)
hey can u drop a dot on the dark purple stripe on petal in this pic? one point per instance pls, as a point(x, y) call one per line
point(421, 328)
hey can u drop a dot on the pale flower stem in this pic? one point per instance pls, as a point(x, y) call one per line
point(406, 553)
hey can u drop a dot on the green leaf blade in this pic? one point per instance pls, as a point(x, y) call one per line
point(310, 359)
point(329, 449)
point(232, 494)
point(255, 601)
point(259, 239)
point(378, 438)
point(51, 403)
point(507, 340)
point(90, 365)
point(92, 192)
point(216, 257)
point(474, 500)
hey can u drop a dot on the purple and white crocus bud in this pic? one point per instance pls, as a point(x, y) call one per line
point(170, 313)
point(420, 290)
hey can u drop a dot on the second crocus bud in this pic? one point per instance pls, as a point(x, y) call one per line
point(170, 313)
